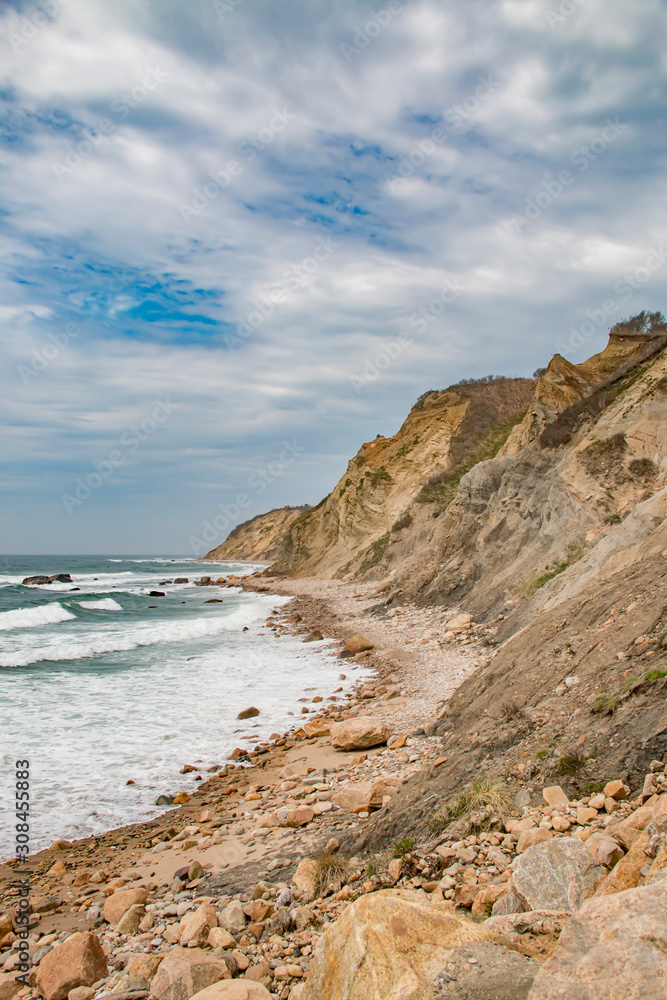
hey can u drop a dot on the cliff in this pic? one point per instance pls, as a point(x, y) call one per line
point(259, 539)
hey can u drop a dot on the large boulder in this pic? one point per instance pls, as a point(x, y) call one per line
point(78, 961)
point(232, 918)
point(556, 875)
point(196, 926)
point(9, 987)
point(186, 971)
point(119, 902)
point(613, 947)
point(361, 796)
point(388, 945)
point(357, 644)
point(627, 871)
point(495, 972)
point(240, 989)
point(357, 734)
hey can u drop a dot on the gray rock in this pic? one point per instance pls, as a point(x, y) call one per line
point(495, 971)
point(615, 946)
point(509, 903)
point(232, 918)
point(558, 874)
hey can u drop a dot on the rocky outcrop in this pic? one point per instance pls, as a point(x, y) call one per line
point(78, 961)
point(260, 539)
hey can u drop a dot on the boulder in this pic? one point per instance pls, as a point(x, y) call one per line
point(387, 945)
point(78, 961)
point(300, 816)
point(604, 850)
point(186, 971)
point(129, 922)
point(484, 900)
point(143, 966)
point(232, 918)
point(181, 579)
point(495, 972)
point(305, 877)
point(357, 644)
point(314, 636)
point(459, 623)
point(535, 933)
point(41, 580)
point(248, 713)
point(556, 875)
point(9, 987)
point(554, 796)
point(317, 727)
point(239, 989)
point(509, 903)
point(359, 733)
point(611, 948)
point(616, 790)
point(531, 837)
point(361, 796)
point(119, 902)
point(626, 873)
point(629, 829)
point(218, 937)
point(195, 926)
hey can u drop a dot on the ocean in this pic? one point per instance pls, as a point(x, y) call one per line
point(102, 684)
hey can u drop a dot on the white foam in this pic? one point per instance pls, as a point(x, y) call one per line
point(105, 604)
point(44, 614)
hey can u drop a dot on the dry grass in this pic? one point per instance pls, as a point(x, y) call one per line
point(331, 873)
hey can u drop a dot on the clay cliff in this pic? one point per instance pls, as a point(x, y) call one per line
point(259, 539)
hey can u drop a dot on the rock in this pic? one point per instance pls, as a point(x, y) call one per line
point(610, 948)
point(486, 898)
point(218, 937)
point(186, 971)
point(509, 903)
point(357, 644)
point(531, 837)
point(78, 961)
point(556, 875)
point(604, 850)
point(659, 818)
point(585, 815)
point(628, 830)
point(317, 727)
point(534, 933)
point(258, 910)
point(9, 987)
point(258, 971)
point(560, 823)
point(129, 922)
point(488, 971)
point(181, 579)
point(143, 966)
point(314, 636)
point(6, 925)
point(214, 600)
point(248, 713)
point(156, 593)
point(164, 800)
point(359, 733)
point(56, 578)
point(81, 993)
point(395, 869)
point(195, 926)
point(459, 623)
point(626, 873)
point(464, 895)
point(300, 816)
point(232, 918)
point(195, 871)
point(387, 945)
point(616, 790)
point(555, 796)
point(239, 989)
point(119, 902)
point(361, 796)
point(305, 877)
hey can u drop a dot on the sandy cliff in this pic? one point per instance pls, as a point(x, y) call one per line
point(260, 538)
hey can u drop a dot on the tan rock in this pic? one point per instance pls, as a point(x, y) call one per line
point(534, 933)
point(616, 790)
point(628, 830)
point(300, 816)
point(196, 926)
point(81, 993)
point(186, 971)
point(555, 796)
point(519, 826)
point(395, 869)
point(387, 945)
point(361, 796)
point(239, 989)
point(531, 837)
point(597, 801)
point(305, 876)
point(218, 937)
point(659, 817)
point(248, 713)
point(556, 875)
point(78, 961)
point(258, 910)
point(604, 849)
point(459, 623)
point(144, 966)
point(561, 824)
point(317, 727)
point(358, 644)
point(258, 971)
point(610, 949)
point(359, 733)
point(585, 815)
point(9, 987)
point(486, 897)
point(626, 873)
point(232, 918)
point(464, 895)
point(6, 925)
point(119, 902)
point(131, 919)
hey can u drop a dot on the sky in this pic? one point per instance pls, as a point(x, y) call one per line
point(241, 237)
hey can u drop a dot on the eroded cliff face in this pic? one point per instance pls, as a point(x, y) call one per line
point(445, 433)
point(260, 538)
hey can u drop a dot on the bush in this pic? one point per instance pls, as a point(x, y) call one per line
point(643, 468)
point(572, 762)
point(605, 704)
point(403, 847)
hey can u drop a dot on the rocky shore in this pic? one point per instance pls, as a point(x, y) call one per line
point(256, 886)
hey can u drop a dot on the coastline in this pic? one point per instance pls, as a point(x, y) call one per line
point(237, 841)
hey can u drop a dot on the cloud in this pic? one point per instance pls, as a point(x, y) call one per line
point(172, 177)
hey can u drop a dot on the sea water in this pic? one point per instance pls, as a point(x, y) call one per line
point(102, 684)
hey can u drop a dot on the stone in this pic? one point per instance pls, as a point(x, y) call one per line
point(119, 902)
point(218, 937)
point(459, 623)
point(357, 644)
point(604, 849)
point(359, 733)
point(186, 971)
point(143, 966)
point(317, 727)
point(78, 961)
point(258, 971)
point(610, 948)
point(195, 926)
point(305, 877)
point(509, 903)
point(258, 910)
point(300, 816)
point(597, 801)
point(489, 971)
point(6, 925)
point(314, 636)
point(555, 796)
point(561, 824)
point(534, 933)
point(556, 875)
point(232, 918)
point(585, 815)
point(531, 837)
point(659, 816)
point(248, 713)
point(387, 945)
point(81, 993)
point(129, 922)
point(361, 796)
point(238, 989)
point(626, 873)
point(464, 895)
point(9, 987)
point(628, 830)
point(616, 790)
point(395, 869)
point(484, 900)
point(195, 871)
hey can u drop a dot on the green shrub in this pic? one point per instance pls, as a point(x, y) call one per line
point(605, 704)
point(403, 847)
point(655, 675)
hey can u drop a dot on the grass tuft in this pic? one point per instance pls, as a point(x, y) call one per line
point(331, 873)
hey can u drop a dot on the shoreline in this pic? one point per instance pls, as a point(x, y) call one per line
point(235, 842)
